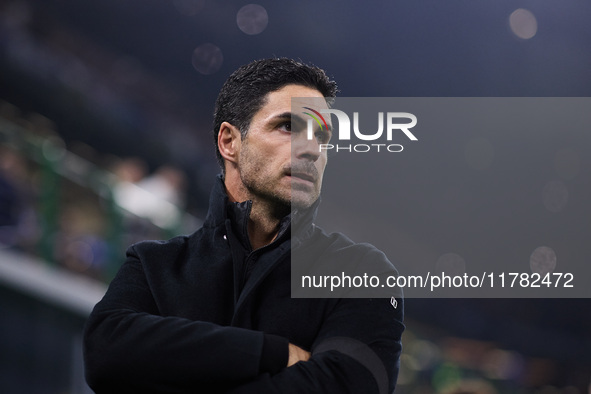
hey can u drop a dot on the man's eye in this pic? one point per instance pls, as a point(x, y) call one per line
point(285, 126)
point(322, 136)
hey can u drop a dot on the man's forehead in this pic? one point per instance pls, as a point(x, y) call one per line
point(293, 100)
point(305, 104)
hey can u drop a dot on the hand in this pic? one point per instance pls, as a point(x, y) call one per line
point(297, 354)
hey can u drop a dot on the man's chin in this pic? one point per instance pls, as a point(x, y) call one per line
point(300, 201)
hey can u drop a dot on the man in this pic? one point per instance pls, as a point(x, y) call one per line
point(212, 312)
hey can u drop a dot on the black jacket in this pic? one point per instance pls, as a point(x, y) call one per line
point(204, 314)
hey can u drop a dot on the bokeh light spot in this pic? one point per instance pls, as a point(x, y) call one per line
point(523, 23)
point(451, 264)
point(542, 260)
point(252, 19)
point(207, 58)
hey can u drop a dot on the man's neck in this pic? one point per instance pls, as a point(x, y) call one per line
point(264, 219)
point(263, 227)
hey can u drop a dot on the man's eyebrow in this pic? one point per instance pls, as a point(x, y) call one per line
point(290, 116)
point(295, 118)
point(285, 115)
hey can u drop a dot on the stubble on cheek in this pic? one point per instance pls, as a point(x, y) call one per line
point(261, 180)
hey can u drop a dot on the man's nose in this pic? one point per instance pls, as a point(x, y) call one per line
point(304, 148)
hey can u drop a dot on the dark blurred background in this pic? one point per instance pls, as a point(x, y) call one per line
point(105, 117)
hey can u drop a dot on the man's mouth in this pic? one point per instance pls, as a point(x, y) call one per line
point(304, 176)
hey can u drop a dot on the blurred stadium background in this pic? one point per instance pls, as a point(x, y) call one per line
point(105, 114)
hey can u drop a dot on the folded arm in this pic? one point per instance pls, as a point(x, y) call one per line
point(129, 346)
point(357, 351)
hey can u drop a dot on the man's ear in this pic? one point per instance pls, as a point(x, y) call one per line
point(229, 142)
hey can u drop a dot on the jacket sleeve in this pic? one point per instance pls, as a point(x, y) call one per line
point(129, 347)
point(356, 351)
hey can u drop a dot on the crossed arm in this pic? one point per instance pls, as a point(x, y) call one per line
point(130, 347)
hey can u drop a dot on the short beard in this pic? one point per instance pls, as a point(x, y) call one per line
point(279, 205)
point(308, 168)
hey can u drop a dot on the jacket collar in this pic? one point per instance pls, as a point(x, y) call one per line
point(218, 201)
point(300, 221)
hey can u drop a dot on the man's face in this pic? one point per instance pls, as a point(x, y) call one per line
point(277, 162)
